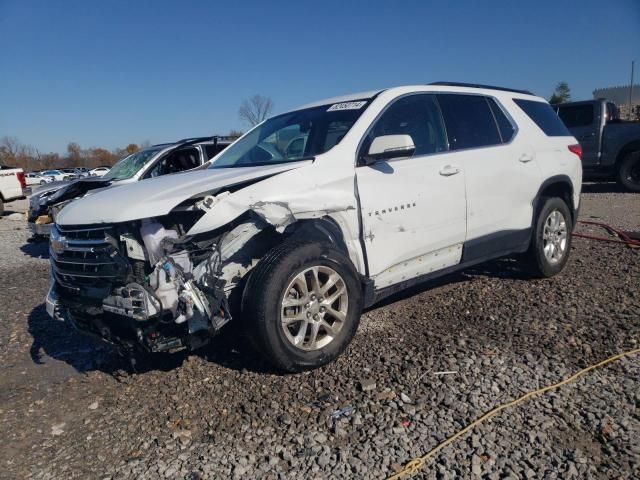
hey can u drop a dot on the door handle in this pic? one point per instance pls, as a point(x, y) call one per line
point(525, 158)
point(449, 170)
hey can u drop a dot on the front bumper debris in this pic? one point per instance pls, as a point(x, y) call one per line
point(43, 229)
point(52, 305)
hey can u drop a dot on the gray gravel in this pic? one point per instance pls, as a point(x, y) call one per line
point(422, 366)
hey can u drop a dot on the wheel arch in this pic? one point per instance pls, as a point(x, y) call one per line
point(630, 147)
point(557, 186)
point(323, 229)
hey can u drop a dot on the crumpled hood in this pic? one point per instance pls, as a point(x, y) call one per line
point(158, 196)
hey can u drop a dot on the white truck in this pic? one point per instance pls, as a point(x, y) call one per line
point(13, 185)
point(317, 213)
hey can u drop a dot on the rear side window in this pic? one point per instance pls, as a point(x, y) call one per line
point(469, 121)
point(544, 117)
point(213, 150)
point(576, 116)
point(504, 125)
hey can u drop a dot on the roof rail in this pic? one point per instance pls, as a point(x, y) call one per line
point(477, 85)
point(195, 139)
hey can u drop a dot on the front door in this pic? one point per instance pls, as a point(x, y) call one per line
point(413, 209)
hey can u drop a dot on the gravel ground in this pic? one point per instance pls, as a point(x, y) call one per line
point(70, 408)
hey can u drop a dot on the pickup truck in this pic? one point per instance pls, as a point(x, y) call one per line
point(12, 185)
point(610, 146)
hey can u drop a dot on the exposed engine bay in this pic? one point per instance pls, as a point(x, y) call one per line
point(145, 284)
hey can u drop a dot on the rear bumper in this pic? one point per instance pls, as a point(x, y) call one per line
point(43, 229)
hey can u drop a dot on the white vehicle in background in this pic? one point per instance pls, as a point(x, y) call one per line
point(37, 179)
point(13, 185)
point(155, 161)
point(57, 175)
point(388, 189)
point(99, 172)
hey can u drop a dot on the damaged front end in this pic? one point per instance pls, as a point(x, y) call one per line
point(146, 284)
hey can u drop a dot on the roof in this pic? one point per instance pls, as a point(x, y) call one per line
point(373, 93)
point(484, 87)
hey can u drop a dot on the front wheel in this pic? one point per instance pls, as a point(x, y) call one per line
point(551, 239)
point(629, 172)
point(302, 305)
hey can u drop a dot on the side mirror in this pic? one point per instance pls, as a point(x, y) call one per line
point(386, 147)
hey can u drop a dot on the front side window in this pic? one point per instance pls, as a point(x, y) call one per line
point(417, 116)
point(129, 166)
point(576, 116)
point(293, 136)
point(469, 121)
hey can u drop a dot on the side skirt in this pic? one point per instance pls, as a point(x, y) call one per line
point(474, 252)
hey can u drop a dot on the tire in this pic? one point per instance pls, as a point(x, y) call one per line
point(283, 275)
point(1, 207)
point(629, 172)
point(551, 242)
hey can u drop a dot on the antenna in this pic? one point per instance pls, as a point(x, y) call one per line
point(631, 92)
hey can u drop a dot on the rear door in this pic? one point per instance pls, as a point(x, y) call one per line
point(501, 173)
point(413, 209)
point(583, 121)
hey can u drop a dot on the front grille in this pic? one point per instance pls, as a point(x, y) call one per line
point(84, 260)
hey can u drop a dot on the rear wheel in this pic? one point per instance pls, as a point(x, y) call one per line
point(629, 172)
point(551, 240)
point(302, 305)
point(1, 207)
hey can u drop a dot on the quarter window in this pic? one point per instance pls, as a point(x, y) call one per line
point(417, 116)
point(504, 125)
point(544, 117)
point(469, 120)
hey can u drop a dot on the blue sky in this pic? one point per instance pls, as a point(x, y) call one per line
point(106, 73)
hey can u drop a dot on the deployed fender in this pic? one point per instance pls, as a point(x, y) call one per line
point(284, 199)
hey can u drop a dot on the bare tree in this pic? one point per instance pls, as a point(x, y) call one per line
point(9, 149)
point(255, 109)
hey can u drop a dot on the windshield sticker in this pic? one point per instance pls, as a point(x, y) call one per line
point(346, 106)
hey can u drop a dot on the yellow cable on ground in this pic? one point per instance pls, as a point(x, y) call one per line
point(417, 463)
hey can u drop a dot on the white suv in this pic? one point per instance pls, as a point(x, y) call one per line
point(317, 213)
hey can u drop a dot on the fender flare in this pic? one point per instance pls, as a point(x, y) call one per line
point(563, 180)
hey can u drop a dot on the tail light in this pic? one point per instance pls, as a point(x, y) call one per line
point(577, 149)
point(21, 179)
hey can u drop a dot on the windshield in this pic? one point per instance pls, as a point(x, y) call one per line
point(293, 136)
point(129, 166)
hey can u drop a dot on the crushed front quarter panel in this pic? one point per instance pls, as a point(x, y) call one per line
point(156, 197)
